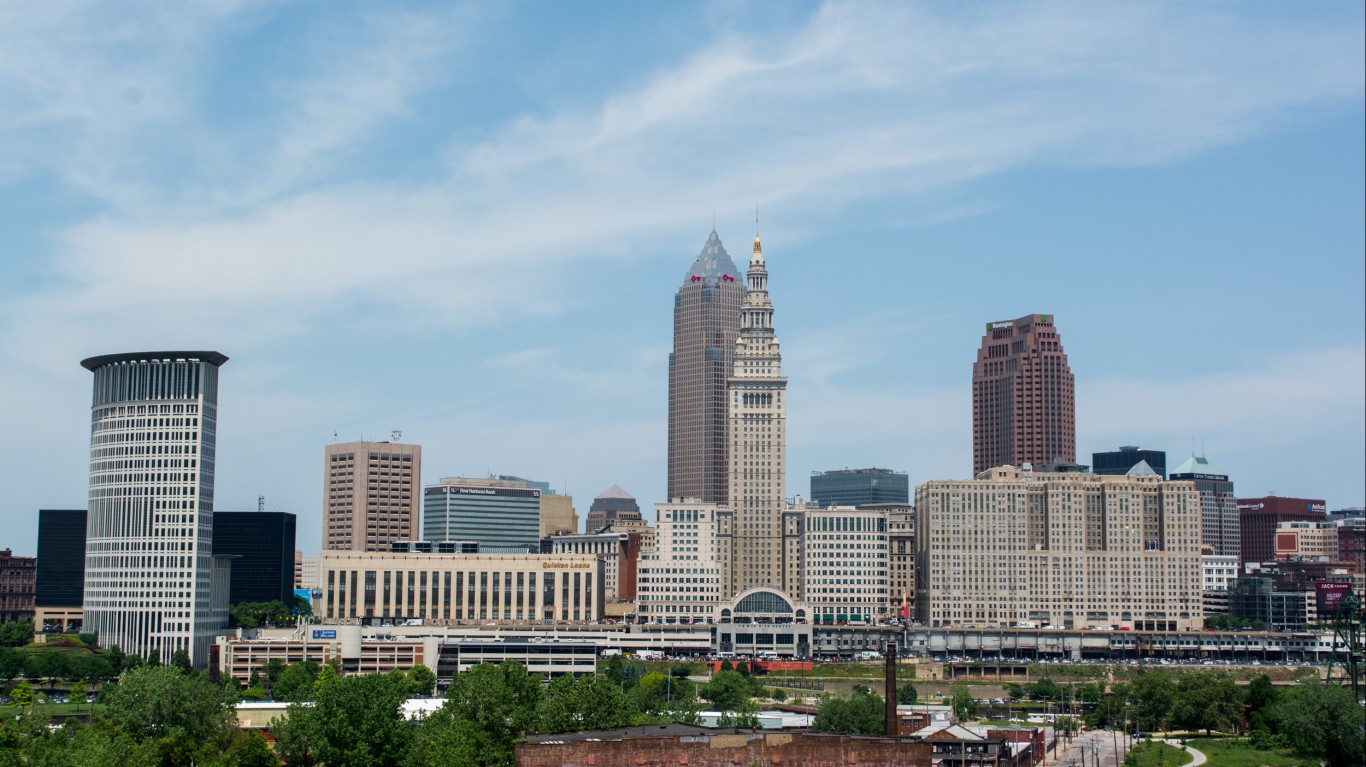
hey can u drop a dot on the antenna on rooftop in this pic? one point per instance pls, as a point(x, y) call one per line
point(260, 503)
point(334, 435)
point(395, 435)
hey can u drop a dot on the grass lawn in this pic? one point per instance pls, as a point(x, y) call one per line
point(1157, 754)
point(1236, 752)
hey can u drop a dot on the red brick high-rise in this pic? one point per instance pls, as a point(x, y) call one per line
point(1023, 396)
point(1258, 517)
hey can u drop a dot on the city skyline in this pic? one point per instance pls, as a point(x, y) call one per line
point(481, 256)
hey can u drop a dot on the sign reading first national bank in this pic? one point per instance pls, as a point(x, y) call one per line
point(494, 492)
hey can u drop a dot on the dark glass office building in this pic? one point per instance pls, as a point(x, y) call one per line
point(263, 544)
point(1117, 463)
point(859, 487)
point(61, 558)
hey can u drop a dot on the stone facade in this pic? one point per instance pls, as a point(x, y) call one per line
point(1064, 550)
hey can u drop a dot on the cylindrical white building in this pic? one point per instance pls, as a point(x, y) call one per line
point(149, 530)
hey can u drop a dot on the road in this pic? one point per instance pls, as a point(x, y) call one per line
point(1098, 748)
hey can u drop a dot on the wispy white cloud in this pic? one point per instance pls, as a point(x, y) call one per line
point(1285, 401)
point(250, 240)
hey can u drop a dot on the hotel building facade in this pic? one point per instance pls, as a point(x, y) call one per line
point(1065, 550)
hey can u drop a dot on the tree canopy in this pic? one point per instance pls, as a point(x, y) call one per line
point(861, 712)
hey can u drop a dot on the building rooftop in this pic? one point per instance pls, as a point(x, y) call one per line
point(1141, 469)
point(615, 491)
point(1197, 464)
point(713, 263)
point(92, 363)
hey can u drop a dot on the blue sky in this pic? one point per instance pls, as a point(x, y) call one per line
point(467, 222)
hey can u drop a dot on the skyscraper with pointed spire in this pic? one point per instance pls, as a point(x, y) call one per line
point(706, 321)
point(757, 427)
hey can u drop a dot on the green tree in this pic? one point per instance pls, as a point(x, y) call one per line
point(1046, 689)
point(180, 660)
point(48, 665)
point(272, 671)
point(328, 675)
point(22, 694)
point(727, 690)
point(11, 663)
point(253, 614)
point(625, 674)
point(1261, 695)
point(163, 704)
point(585, 703)
point(682, 670)
point(487, 709)
point(359, 722)
point(249, 749)
point(421, 681)
point(297, 734)
point(303, 608)
point(16, 633)
point(858, 713)
point(1322, 721)
point(1205, 701)
point(906, 694)
point(77, 692)
point(115, 657)
point(964, 706)
point(1016, 690)
point(1151, 696)
point(90, 668)
point(296, 682)
point(1090, 692)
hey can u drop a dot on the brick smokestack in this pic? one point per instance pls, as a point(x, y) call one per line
point(893, 722)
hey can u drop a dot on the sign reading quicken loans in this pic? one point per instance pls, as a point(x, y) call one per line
point(567, 565)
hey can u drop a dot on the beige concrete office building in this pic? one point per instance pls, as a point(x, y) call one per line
point(845, 564)
point(682, 579)
point(459, 588)
point(372, 493)
point(558, 514)
point(757, 442)
point(900, 555)
point(1066, 550)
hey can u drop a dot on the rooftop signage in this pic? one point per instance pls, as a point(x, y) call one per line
point(999, 325)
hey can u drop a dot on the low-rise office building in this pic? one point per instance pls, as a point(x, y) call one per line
point(845, 573)
point(681, 579)
point(1217, 571)
point(620, 553)
point(459, 588)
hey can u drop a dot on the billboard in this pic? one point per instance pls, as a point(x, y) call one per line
point(1329, 596)
point(324, 633)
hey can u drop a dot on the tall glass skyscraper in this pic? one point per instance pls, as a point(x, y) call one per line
point(149, 562)
point(706, 323)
